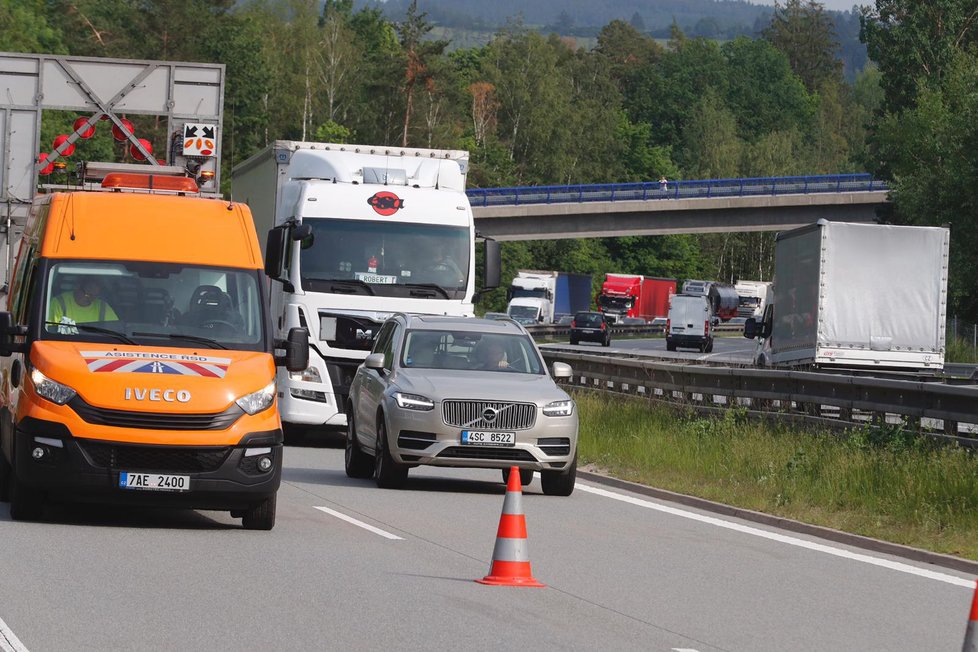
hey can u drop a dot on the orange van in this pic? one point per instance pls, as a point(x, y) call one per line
point(138, 365)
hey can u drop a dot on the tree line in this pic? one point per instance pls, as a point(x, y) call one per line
point(534, 108)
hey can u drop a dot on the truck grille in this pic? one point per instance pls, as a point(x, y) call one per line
point(154, 458)
point(155, 420)
point(489, 415)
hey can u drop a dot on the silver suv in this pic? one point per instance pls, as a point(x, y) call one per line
point(460, 392)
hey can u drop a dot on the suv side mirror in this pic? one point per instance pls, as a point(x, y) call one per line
point(562, 370)
point(296, 347)
point(374, 361)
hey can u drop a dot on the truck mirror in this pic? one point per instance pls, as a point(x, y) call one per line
point(296, 347)
point(7, 332)
point(491, 272)
point(275, 252)
point(750, 328)
point(301, 232)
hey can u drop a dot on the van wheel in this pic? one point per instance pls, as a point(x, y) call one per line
point(261, 516)
point(26, 503)
point(388, 473)
point(560, 483)
point(670, 346)
point(573, 342)
point(526, 476)
point(709, 347)
point(358, 464)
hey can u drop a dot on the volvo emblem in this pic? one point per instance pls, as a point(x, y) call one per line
point(489, 414)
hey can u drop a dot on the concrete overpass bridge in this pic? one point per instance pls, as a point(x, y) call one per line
point(649, 208)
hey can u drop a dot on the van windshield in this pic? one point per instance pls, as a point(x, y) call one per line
point(153, 303)
point(381, 258)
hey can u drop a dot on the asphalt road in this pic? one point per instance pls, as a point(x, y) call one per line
point(730, 350)
point(623, 572)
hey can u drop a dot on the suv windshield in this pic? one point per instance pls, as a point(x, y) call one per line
point(376, 257)
point(153, 303)
point(431, 349)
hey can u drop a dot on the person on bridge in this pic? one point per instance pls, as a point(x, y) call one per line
point(663, 183)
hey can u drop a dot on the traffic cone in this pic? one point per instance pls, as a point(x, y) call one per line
point(971, 634)
point(510, 560)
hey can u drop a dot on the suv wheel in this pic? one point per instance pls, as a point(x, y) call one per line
point(388, 473)
point(358, 464)
point(560, 483)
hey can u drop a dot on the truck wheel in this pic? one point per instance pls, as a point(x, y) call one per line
point(388, 473)
point(709, 347)
point(358, 464)
point(26, 503)
point(5, 473)
point(526, 476)
point(560, 483)
point(260, 516)
point(670, 346)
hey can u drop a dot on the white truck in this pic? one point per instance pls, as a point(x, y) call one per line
point(856, 296)
point(355, 234)
point(752, 298)
point(538, 297)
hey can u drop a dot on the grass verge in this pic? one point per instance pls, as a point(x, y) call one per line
point(887, 483)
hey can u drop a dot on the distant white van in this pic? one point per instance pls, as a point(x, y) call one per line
point(690, 323)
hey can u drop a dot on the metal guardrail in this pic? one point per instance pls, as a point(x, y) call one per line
point(832, 397)
point(545, 331)
point(695, 189)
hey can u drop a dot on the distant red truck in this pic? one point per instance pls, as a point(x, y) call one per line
point(633, 295)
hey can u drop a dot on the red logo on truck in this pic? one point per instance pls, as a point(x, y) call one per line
point(386, 203)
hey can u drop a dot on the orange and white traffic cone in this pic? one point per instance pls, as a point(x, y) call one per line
point(971, 634)
point(510, 561)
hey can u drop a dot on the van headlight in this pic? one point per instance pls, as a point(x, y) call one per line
point(257, 401)
point(413, 401)
point(559, 408)
point(52, 390)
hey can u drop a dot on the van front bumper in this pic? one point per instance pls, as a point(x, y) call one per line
point(48, 458)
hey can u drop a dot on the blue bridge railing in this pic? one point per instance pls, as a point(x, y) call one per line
point(699, 189)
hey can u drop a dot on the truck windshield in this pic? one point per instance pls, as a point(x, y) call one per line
point(385, 258)
point(524, 313)
point(532, 293)
point(151, 303)
point(615, 304)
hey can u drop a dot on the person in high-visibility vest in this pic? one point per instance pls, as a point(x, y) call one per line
point(81, 305)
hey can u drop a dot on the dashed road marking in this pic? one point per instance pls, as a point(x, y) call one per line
point(365, 526)
point(782, 538)
point(8, 640)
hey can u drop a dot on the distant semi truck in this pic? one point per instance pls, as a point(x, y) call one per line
point(543, 297)
point(722, 297)
point(635, 296)
point(752, 298)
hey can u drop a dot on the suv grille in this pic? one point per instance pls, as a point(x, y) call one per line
point(153, 458)
point(488, 453)
point(472, 414)
point(155, 420)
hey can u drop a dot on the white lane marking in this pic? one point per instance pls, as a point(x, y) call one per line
point(793, 541)
point(684, 649)
point(8, 640)
point(365, 526)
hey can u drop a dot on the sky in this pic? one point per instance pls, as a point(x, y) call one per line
point(839, 5)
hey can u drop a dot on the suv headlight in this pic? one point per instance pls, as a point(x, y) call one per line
point(51, 389)
point(413, 401)
point(559, 408)
point(257, 401)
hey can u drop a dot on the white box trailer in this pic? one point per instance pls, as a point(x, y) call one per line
point(857, 295)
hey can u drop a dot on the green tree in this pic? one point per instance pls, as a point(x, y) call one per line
point(24, 28)
point(805, 33)
point(712, 148)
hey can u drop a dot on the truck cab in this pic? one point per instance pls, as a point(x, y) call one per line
point(138, 364)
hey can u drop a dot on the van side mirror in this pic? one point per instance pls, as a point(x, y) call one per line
point(750, 328)
point(492, 264)
point(7, 332)
point(296, 347)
